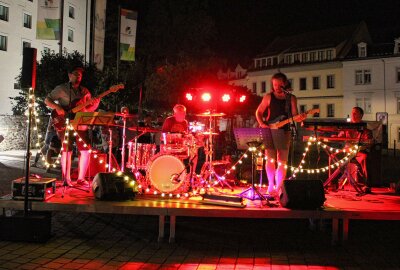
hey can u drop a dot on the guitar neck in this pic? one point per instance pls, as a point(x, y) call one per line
point(287, 121)
point(80, 107)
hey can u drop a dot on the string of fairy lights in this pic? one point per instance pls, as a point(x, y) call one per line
point(347, 152)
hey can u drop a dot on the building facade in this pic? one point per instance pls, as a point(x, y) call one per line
point(18, 20)
point(371, 80)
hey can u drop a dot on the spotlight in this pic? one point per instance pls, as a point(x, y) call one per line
point(226, 98)
point(206, 97)
point(189, 96)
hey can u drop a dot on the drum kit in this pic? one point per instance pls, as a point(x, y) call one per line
point(171, 170)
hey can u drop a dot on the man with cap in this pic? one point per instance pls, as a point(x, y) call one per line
point(63, 99)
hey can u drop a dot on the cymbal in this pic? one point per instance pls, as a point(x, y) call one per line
point(208, 133)
point(210, 114)
point(144, 129)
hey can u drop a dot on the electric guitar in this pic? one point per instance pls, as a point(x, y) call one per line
point(59, 120)
point(281, 121)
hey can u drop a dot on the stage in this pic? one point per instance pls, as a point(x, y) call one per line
point(339, 208)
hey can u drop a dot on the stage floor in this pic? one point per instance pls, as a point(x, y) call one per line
point(340, 207)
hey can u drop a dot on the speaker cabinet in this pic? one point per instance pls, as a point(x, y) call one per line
point(114, 186)
point(302, 194)
point(33, 227)
point(28, 77)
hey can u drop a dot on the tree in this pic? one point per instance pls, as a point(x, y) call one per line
point(52, 70)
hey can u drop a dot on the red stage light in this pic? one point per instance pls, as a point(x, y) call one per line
point(226, 98)
point(206, 97)
point(189, 96)
point(242, 98)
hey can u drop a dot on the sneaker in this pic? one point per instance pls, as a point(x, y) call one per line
point(82, 182)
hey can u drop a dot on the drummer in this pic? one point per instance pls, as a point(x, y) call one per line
point(177, 122)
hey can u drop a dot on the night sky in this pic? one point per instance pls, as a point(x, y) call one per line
point(245, 27)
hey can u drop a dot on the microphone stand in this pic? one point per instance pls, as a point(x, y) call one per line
point(292, 125)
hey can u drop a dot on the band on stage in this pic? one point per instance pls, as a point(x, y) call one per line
point(173, 154)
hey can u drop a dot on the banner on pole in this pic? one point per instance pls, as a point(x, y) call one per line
point(127, 38)
point(99, 33)
point(48, 20)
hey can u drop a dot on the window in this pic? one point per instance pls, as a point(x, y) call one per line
point(71, 12)
point(254, 87)
point(70, 35)
point(258, 63)
point(330, 81)
point(269, 61)
point(303, 84)
point(313, 55)
point(362, 49)
point(363, 76)
point(297, 58)
point(3, 43)
point(304, 57)
point(329, 54)
point(3, 13)
point(263, 87)
point(330, 110)
point(398, 132)
point(364, 103)
point(27, 21)
point(321, 55)
point(26, 44)
point(398, 75)
point(288, 59)
point(291, 81)
point(398, 105)
point(303, 108)
point(275, 61)
point(316, 83)
point(315, 106)
point(263, 62)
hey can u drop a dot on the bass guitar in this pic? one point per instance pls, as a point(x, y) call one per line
point(59, 120)
point(281, 121)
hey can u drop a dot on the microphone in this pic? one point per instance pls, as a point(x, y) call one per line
point(286, 89)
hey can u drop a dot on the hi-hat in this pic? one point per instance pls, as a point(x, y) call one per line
point(210, 114)
point(144, 129)
point(126, 115)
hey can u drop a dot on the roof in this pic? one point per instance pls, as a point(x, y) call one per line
point(327, 38)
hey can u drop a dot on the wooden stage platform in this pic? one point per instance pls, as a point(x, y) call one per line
point(340, 207)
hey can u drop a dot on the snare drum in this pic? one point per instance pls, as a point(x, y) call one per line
point(175, 144)
point(142, 155)
point(161, 171)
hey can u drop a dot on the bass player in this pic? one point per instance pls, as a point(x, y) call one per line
point(62, 99)
point(279, 102)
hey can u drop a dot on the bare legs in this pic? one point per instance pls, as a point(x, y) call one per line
point(275, 168)
point(66, 164)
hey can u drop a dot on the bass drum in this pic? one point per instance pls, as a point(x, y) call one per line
point(161, 170)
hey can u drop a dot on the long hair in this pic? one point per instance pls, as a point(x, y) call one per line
point(278, 76)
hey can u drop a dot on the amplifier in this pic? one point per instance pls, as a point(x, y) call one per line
point(39, 189)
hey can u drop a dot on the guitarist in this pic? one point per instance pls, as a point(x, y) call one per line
point(63, 99)
point(279, 102)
